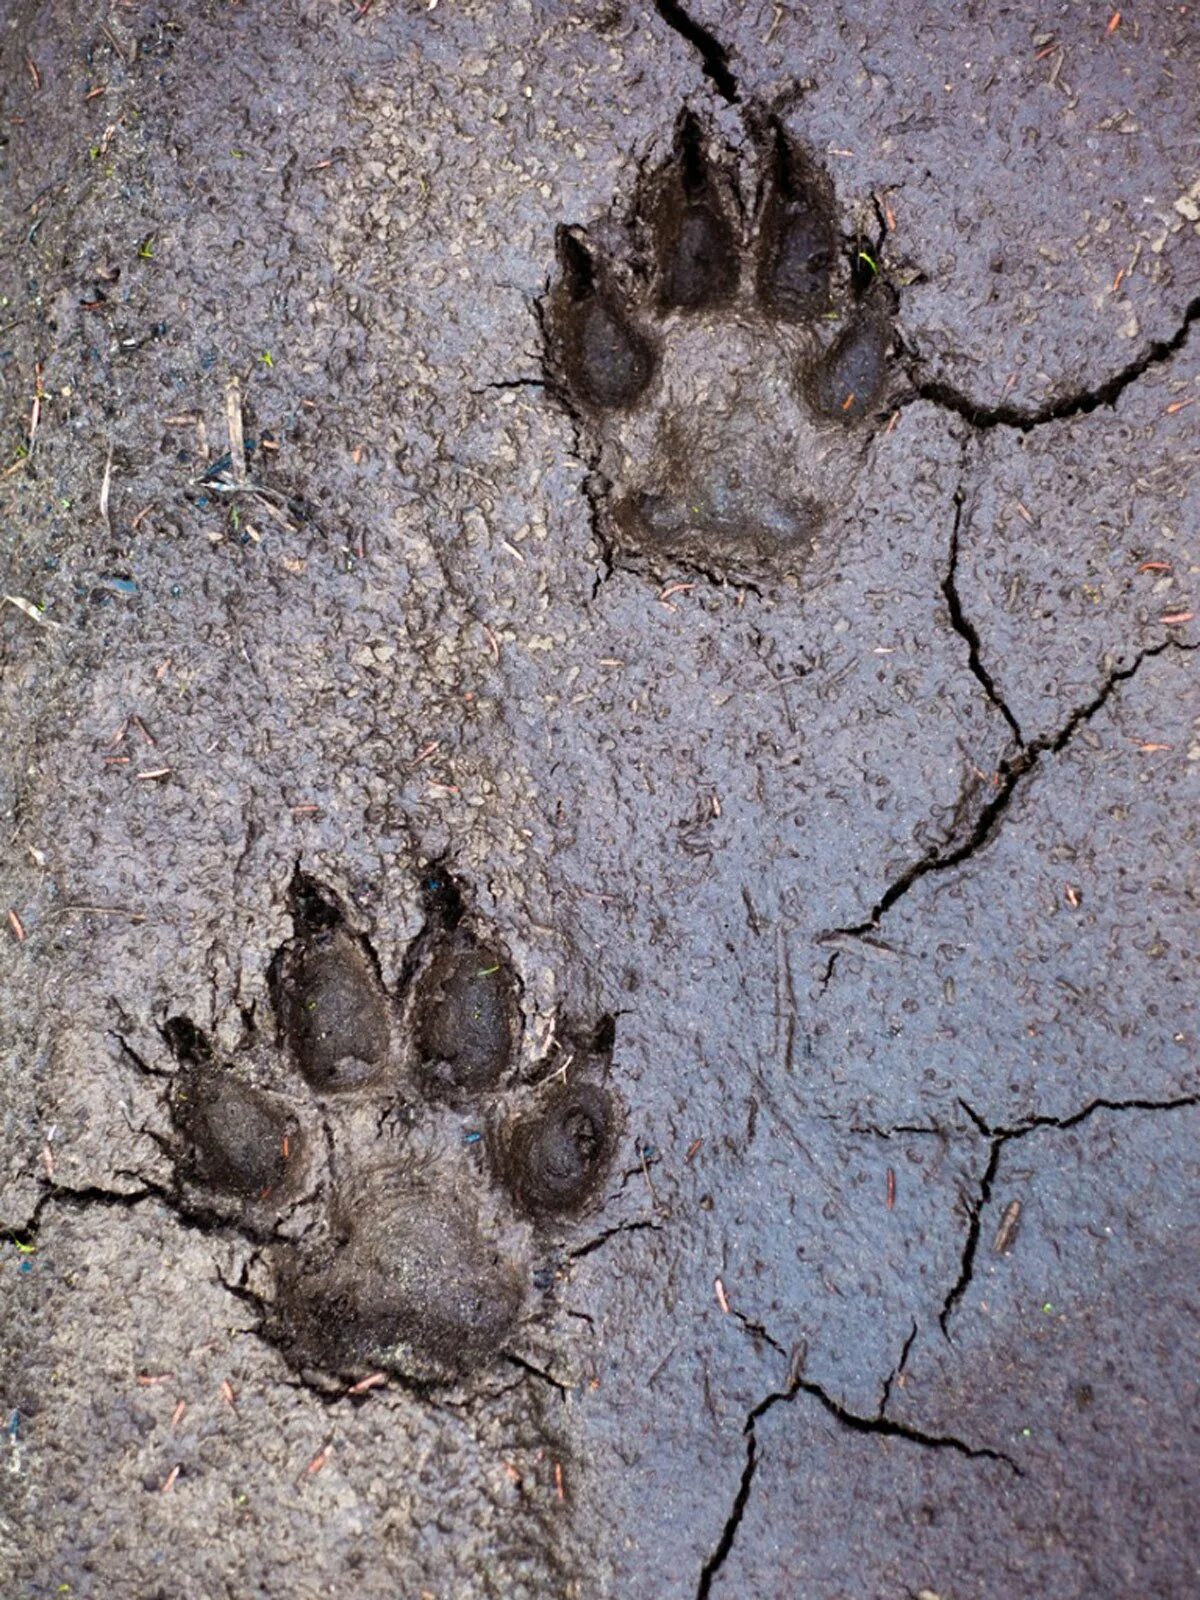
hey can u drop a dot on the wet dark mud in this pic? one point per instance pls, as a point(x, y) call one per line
point(235, 1139)
point(409, 1283)
point(555, 1157)
point(598, 697)
point(331, 1007)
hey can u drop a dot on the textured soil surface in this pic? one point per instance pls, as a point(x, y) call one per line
point(599, 801)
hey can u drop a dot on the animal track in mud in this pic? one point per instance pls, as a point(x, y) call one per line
point(726, 360)
point(398, 1172)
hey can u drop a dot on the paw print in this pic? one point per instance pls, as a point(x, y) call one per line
point(401, 1178)
point(726, 361)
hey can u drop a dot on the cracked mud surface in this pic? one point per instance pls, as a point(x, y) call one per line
point(600, 995)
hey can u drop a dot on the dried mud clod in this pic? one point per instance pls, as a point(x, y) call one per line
point(724, 360)
point(332, 1009)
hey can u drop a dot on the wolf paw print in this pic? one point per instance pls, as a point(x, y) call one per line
point(400, 1177)
point(726, 361)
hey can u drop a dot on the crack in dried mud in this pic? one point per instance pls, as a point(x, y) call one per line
point(886, 1396)
point(714, 58)
point(541, 1374)
point(1078, 404)
point(589, 1246)
point(966, 629)
point(797, 1384)
point(25, 1234)
point(880, 1423)
point(1009, 777)
point(1000, 1137)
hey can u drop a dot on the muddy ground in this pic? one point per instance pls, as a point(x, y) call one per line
point(738, 845)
